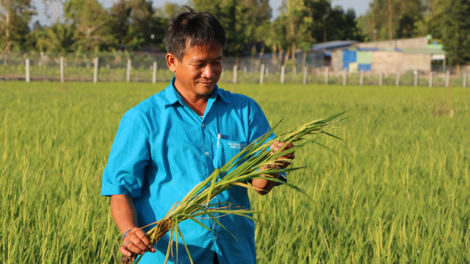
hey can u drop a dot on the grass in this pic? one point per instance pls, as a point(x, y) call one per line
point(396, 190)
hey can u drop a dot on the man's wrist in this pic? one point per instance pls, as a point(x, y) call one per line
point(126, 233)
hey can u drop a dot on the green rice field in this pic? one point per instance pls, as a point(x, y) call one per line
point(395, 190)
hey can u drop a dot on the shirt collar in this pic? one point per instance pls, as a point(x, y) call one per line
point(172, 96)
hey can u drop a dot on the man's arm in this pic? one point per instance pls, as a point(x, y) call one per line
point(266, 186)
point(125, 217)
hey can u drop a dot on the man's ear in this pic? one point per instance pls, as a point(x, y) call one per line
point(171, 61)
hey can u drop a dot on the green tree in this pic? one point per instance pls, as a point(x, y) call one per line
point(298, 19)
point(120, 21)
point(57, 38)
point(15, 16)
point(136, 24)
point(142, 23)
point(235, 16)
point(257, 15)
point(456, 31)
point(168, 10)
point(432, 19)
point(92, 24)
point(279, 34)
point(387, 19)
point(342, 25)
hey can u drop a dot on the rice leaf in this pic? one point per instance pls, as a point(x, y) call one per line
point(184, 243)
point(249, 164)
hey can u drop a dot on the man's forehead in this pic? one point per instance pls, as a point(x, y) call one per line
point(201, 46)
point(203, 52)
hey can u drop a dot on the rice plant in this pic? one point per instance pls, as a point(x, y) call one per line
point(395, 189)
point(253, 162)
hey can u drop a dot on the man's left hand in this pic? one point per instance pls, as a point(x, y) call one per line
point(279, 145)
point(264, 186)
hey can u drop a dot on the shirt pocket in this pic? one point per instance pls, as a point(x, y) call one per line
point(226, 150)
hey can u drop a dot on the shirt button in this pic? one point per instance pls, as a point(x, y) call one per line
point(202, 125)
point(207, 153)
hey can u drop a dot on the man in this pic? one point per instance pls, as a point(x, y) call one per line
point(173, 140)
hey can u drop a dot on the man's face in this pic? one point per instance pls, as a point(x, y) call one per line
point(199, 70)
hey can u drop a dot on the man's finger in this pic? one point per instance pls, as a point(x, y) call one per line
point(132, 247)
point(125, 251)
point(143, 237)
point(138, 243)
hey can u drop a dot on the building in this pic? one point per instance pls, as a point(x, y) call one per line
point(321, 52)
point(390, 56)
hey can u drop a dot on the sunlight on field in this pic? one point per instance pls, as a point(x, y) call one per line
point(394, 190)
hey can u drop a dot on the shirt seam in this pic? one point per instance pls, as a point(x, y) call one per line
point(139, 127)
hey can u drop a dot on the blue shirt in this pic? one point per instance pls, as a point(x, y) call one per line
point(163, 149)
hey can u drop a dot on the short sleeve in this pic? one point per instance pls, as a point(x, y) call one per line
point(129, 155)
point(259, 125)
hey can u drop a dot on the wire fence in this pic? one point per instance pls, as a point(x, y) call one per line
point(141, 67)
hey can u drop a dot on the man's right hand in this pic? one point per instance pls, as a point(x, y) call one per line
point(125, 217)
point(136, 242)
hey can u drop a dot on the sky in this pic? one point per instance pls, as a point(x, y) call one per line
point(360, 6)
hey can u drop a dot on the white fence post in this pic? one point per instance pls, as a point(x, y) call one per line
point(128, 74)
point(430, 79)
point(416, 78)
point(464, 84)
point(381, 77)
point(326, 75)
point(235, 69)
point(41, 58)
point(397, 81)
point(305, 75)
point(261, 75)
point(345, 77)
point(447, 78)
point(62, 69)
point(95, 72)
point(27, 77)
point(283, 71)
point(154, 74)
point(361, 81)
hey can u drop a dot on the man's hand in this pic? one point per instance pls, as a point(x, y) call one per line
point(136, 241)
point(125, 217)
point(265, 186)
point(277, 146)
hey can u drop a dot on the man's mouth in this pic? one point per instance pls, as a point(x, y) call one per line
point(206, 82)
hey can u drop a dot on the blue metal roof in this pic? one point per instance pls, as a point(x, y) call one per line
point(331, 45)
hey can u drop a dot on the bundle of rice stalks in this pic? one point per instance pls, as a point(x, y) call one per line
point(254, 162)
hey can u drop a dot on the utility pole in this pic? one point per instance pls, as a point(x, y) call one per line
point(324, 33)
point(390, 14)
point(57, 11)
point(7, 22)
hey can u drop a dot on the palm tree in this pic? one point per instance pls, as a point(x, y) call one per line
point(56, 38)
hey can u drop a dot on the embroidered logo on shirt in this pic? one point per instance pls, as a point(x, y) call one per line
point(236, 145)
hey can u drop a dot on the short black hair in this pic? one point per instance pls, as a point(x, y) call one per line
point(198, 29)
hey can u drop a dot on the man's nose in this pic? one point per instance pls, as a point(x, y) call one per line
point(208, 71)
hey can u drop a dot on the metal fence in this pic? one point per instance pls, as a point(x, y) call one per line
point(138, 67)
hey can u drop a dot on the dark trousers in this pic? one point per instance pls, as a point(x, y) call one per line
point(216, 260)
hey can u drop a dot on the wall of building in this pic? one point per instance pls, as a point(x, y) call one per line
point(410, 62)
point(413, 43)
point(393, 62)
point(337, 60)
